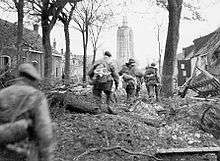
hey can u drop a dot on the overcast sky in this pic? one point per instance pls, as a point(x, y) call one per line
point(142, 20)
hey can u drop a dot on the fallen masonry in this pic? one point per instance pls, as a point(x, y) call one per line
point(145, 128)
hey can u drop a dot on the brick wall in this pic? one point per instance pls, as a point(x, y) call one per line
point(35, 57)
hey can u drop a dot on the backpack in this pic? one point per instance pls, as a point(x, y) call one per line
point(150, 75)
point(102, 73)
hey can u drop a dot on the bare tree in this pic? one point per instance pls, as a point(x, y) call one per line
point(95, 34)
point(174, 8)
point(65, 17)
point(96, 30)
point(159, 45)
point(86, 14)
point(19, 4)
point(49, 11)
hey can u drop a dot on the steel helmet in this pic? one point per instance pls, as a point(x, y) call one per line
point(30, 70)
point(153, 64)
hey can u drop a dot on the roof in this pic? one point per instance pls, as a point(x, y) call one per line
point(8, 32)
point(207, 44)
point(179, 56)
point(40, 52)
point(188, 52)
point(31, 39)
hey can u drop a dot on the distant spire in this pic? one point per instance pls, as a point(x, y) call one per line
point(125, 21)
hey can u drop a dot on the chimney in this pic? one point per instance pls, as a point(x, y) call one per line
point(54, 43)
point(36, 28)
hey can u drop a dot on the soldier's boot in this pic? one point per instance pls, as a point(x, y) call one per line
point(136, 94)
point(148, 91)
point(108, 102)
point(110, 111)
point(137, 90)
point(97, 95)
point(98, 103)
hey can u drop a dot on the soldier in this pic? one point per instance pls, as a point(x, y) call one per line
point(22, 101)
point(132, 78)
point(152, 81)
point(102, 75)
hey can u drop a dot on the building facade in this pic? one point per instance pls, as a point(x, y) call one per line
point(32, 49)
point(125, 43)
point(76, 66)
point(204, 53)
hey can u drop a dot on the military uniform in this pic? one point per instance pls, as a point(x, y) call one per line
point(152, 81)
point(103, 82)
point(23, 101)
point(132, 78)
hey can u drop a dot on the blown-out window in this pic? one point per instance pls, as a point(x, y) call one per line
point(5, 62)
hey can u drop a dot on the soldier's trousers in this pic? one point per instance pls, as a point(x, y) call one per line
point(138, 88)
point(105, 87)
point(151, 89)
point(130, 90)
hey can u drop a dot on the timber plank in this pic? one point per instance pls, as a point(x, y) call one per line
point(189, 150)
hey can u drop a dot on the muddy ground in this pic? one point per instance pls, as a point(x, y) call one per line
point(129, 135)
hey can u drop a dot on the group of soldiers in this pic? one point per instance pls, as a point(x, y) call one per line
point(24, 112)
point(103, 74)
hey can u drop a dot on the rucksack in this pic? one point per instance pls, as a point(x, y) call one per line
point(102, 73)
point(150, 75)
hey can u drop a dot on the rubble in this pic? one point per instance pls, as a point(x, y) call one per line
point(145, 128)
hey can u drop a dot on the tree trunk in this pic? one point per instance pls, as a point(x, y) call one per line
point(159, 48)
point(84, 62)
point(171, 47)
point(20, 12)
point(94, 55)
point(85, 42)
point(47, 47)
point(67, 54)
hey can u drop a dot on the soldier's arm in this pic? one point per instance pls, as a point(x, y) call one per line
point(121, 71)
point(114, 75)
point(91, 72)
point(42, 130)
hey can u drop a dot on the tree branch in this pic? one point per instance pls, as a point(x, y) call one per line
point(73, 7)
point(56, 15)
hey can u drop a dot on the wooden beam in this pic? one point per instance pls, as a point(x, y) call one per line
point(189, 150)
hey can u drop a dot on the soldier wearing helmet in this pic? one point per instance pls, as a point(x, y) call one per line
point(102, 75)
point(132, 78)
point(22, 101)
point(153, 65)
point(152, 81)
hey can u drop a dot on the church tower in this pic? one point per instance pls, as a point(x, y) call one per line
point(125, 42)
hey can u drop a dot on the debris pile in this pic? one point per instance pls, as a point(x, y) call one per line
point(133, 135)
